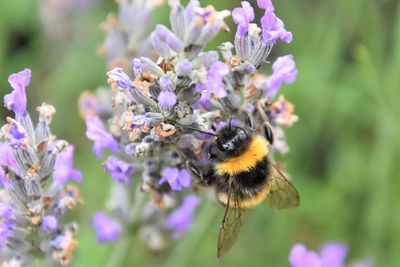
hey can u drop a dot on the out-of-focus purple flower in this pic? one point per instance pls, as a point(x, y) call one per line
point(242, 16)
point(272, 26)
point(16, 100)
point(49, 223)
point(118, 75)
point(266, 4)
point(301, 257)
point(215, 76)
point(16, 134)
point(6, 224)
point(331, 255)
point(102, 139)
point(6, 159)
point(283, 71)
point(119, 170)
point(181, 218)
point(177, 179)
point(183, 67)
point(166, 99)
point(107, 229)
point(63, 168)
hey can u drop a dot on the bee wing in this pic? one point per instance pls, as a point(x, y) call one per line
point(233, 221)
point(282, 194)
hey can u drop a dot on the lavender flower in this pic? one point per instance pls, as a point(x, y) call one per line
point(119, 170)
point(283, 71)
point(177, 179)
point(242, 17)
point(16, 100)
point(181, 218)
point(331, 255)
point(102, 139)
point(107, 230)
point(215, 76)
point(32, 207)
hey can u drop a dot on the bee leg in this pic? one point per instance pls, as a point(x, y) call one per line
point(268, 130)
point(205, 179)
point(249, 121)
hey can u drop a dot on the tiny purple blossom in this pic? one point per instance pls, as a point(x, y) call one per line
point(118, 75)
point(63, 168)
point(331, 255)
point(283, 71)
point(16, 134)
point(107, 229)
point(16, 100)
point(215, 76)
point(166, 99)
point(102, 139)
point(177, 179)
point(49, 223)
point(242, 16)
point(183, 68)
point(181, 218)
point(301, 257)
point(274, 28)
point(119, 170)
point(166, 83)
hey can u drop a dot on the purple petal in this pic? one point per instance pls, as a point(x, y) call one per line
point(119, 170)
point(181, 218)
point(184, 178)
point(283, 71)
point(333, 255)
point(16, 100)
point(167, 99)
point(242, 16)
point(183, 68)
point(118, 75)
point(63, 168)
point(266, 4)
point(215, 76)
point(107, 229)
point(273, 29)
point(300, 257)
point(102, 139)
point(49, 223)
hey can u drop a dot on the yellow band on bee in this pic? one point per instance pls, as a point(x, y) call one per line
point(255, 152)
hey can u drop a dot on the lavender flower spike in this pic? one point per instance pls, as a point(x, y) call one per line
point(16, 100)
point(107, 230)
point(242, 17)
point(63, 168)
point(102, 139)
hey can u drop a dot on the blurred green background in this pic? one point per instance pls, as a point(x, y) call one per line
point(345, 150)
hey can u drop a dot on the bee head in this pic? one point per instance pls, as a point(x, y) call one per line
point(231, 140)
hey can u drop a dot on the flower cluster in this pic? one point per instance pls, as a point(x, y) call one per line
point(32, 205)
point(331, 255)
point(154, 122)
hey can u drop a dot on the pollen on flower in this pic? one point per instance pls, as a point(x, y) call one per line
point(46, 112)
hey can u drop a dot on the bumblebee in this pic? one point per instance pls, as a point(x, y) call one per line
point(244, 175)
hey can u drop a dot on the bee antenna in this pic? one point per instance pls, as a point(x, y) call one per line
point(230, 124)
point(200, 131)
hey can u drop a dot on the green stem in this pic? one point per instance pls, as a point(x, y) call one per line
point(120, 251)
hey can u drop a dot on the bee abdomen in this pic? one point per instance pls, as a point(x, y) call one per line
point(254, 178)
